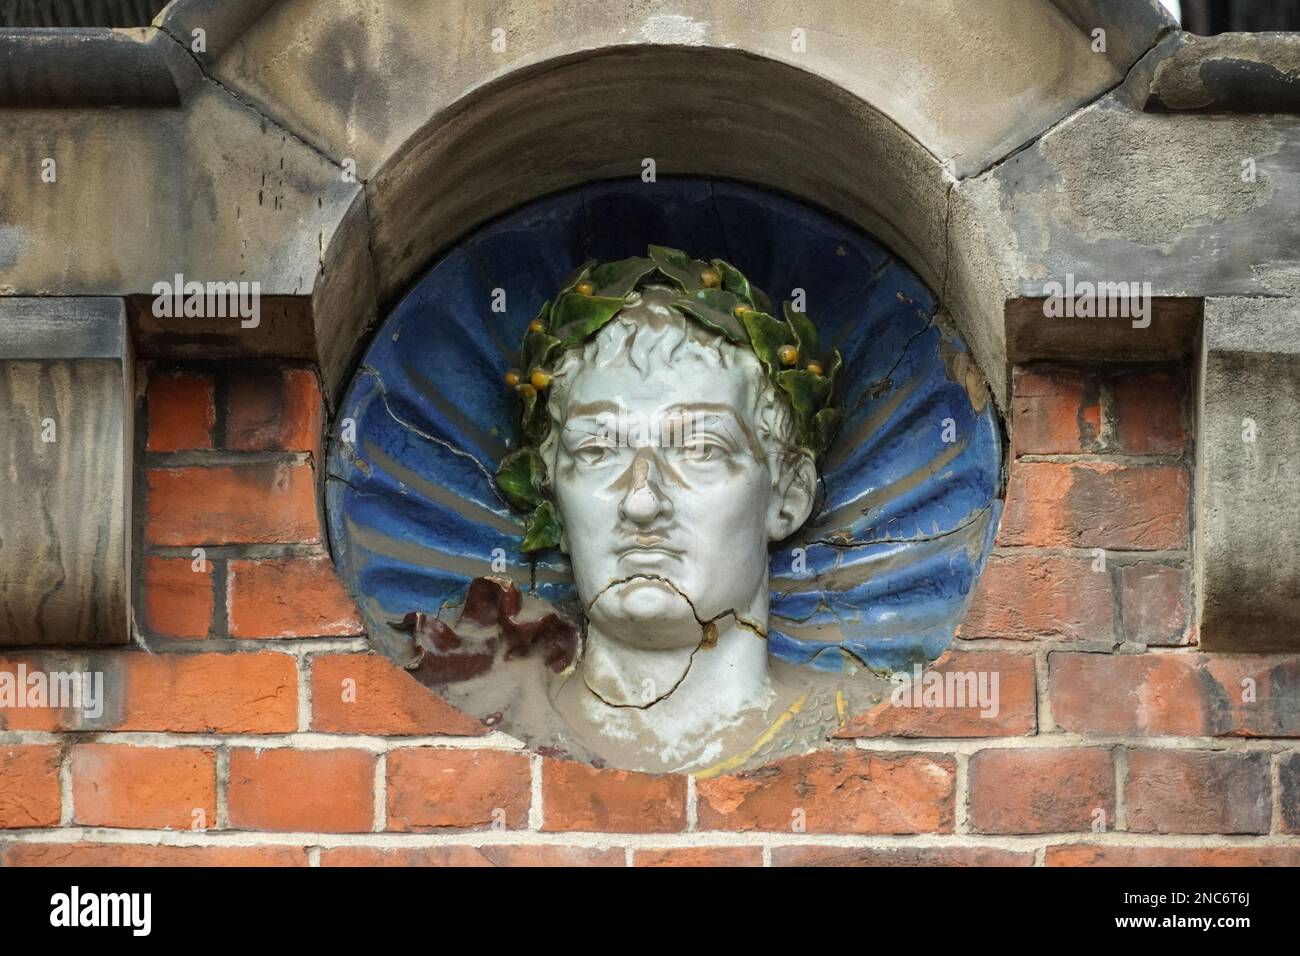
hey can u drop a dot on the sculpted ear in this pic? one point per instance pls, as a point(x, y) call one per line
point(793, 501)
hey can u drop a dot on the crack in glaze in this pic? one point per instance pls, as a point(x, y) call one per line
point(936, 536)
point(708, 635)
point(441, 442)
point(662, 697)
point(702, 622)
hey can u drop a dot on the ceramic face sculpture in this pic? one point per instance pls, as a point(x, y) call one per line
point(671, 455)
point(672, 465)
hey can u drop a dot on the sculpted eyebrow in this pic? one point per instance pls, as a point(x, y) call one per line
point(586, 426)
point(701, 407)
point(591, 408)
point(726, 411)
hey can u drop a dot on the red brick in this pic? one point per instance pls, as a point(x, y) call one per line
point(1148, 412)
point(1084, 854)
point(1184, 694)
point(183, 693)
point(273, 409)
point(178, 600)
point(429, 788)
point(254, 503)
point(838, 791)
point(1055, 411)
point(698, 856)
point(905, 856)
point(29, 786)
point(111, 854)
point(208, 693)
point(146, 787)
point(1096, 505)
point(289, 597)
point(1029, 597)
point(472, 856)
point(1041, 791)
point(1154, 603)
point(326, 791)
point(181, 412)
point(1016, 702)
point(1184, 791)
point(37, 718)
point(368, 694)
point(578, 797)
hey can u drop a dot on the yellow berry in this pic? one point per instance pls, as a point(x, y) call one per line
point(740, 310)
point(537, 325)
point(527, 390)
point(710, 278)
point(814, 367)
point(512, 378)
point(540, 380)
point(584, 288)
point(788, 354)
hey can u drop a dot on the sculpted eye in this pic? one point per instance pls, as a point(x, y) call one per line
point(704, 451)
point(592, 454)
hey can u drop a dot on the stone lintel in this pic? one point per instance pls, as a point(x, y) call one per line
point(1172, 333)
point(92, 67)
point(1228, 73)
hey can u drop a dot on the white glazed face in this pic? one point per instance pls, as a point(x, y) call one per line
point(668, 492)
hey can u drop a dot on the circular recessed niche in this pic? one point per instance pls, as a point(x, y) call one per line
point(874, 583)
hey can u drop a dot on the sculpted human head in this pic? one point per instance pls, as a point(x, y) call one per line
point(672, 463)
point(669, 425)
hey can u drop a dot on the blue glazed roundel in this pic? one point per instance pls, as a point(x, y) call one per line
point(882, 572)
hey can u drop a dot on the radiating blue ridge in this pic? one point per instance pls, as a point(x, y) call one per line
point(881, 575)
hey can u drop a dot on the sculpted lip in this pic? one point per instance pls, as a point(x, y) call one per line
point(648, 544)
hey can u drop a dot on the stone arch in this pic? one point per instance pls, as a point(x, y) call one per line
point(445, 133)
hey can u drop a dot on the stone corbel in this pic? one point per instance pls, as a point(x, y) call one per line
point(65, 486)
point(1248, 471)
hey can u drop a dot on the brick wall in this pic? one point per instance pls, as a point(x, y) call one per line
point(249, 724)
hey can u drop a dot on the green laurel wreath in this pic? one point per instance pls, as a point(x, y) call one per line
point(715, 295)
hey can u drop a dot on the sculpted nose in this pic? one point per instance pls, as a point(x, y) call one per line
point(644, 500)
